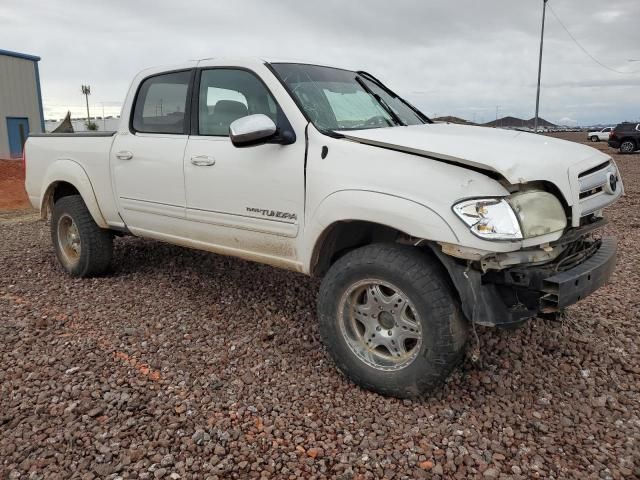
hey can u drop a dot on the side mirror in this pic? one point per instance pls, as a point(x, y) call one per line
point(251, 130)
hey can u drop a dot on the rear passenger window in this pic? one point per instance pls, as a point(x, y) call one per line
point(229, 94)
point(161, 104)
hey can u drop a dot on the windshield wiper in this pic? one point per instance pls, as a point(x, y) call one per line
point(380, 100)
point(373, 79)
point(377, 82)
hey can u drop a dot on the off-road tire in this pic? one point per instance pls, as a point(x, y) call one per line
point(96, 243)
point(426, 284)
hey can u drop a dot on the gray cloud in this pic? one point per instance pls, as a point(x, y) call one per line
point(460, 57)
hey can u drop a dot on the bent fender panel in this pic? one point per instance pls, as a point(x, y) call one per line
point(392, 211)
point(69, 171)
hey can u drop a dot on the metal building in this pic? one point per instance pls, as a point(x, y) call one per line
point(20, 101)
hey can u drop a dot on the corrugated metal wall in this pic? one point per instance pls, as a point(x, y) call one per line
point(18, 96)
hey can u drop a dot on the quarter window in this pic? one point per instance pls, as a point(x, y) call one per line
point(161, 104)
point(229, 94)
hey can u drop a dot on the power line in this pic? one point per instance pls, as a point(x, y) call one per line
point(584, 49)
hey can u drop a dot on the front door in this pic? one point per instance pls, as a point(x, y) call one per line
point(18, 131)
point(247, 199)
point(147, 161)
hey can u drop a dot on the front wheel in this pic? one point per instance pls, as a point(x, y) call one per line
point(627, 146)
point(390, 320)
point(594, 138)
point(82, 247)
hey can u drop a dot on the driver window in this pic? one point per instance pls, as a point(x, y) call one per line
point(227, 95)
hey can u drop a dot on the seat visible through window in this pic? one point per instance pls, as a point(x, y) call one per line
point(229, 94)
point(222, 114)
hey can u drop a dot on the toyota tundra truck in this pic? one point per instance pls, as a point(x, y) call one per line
point(419, 230)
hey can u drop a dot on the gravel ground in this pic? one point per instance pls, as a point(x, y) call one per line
point(182, 364)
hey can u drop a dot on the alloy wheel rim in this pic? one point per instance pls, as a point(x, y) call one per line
point(627, 147)
point(380, 324)
point(69, 240)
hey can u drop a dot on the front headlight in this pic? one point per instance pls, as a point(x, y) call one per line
point(539, 212)
point(489, 218)
point(522, 215)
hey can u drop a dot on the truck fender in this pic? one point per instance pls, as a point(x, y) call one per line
point(405, 215)
point(70, 171)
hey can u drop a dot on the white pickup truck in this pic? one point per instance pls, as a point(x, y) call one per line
point(601, 135)
point(419, 230)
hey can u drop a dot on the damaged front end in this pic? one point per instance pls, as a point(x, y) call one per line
point(508, 289)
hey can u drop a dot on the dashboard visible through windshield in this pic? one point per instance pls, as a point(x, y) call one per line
point(335, 99)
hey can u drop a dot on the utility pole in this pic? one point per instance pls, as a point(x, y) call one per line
point(86, 91)
point(497, 109)
point(544, 11)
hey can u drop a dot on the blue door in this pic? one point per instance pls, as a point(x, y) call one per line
point(18, 129)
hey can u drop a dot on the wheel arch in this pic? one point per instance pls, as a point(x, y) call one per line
point(343, 236)
point(353, 218)
point(67, 177)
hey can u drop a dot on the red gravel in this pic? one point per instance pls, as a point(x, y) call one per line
point(192, 365)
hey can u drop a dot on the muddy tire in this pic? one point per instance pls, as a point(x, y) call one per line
point(82, 248)
point(390, 320)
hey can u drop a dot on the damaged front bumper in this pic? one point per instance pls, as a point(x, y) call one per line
point(566, 287)
point(513, 295)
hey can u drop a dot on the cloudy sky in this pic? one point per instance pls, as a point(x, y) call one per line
point(456, 57)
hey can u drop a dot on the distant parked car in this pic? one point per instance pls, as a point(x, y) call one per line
point(600, 135)
point(626, 137)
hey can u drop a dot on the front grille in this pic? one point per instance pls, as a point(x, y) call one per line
point(595, 169)
point(595, 192)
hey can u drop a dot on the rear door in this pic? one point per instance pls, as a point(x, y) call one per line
point(147, 159)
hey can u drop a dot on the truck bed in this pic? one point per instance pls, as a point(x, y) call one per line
point(50, 156)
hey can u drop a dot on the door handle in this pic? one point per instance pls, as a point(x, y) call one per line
point(203, 161)
point(124, 155)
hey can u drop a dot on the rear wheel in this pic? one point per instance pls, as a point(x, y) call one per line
point(390, 320)
point(83, 248)
point(594, 138)
point(627, 146)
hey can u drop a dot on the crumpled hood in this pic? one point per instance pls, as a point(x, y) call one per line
point(519, 157)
